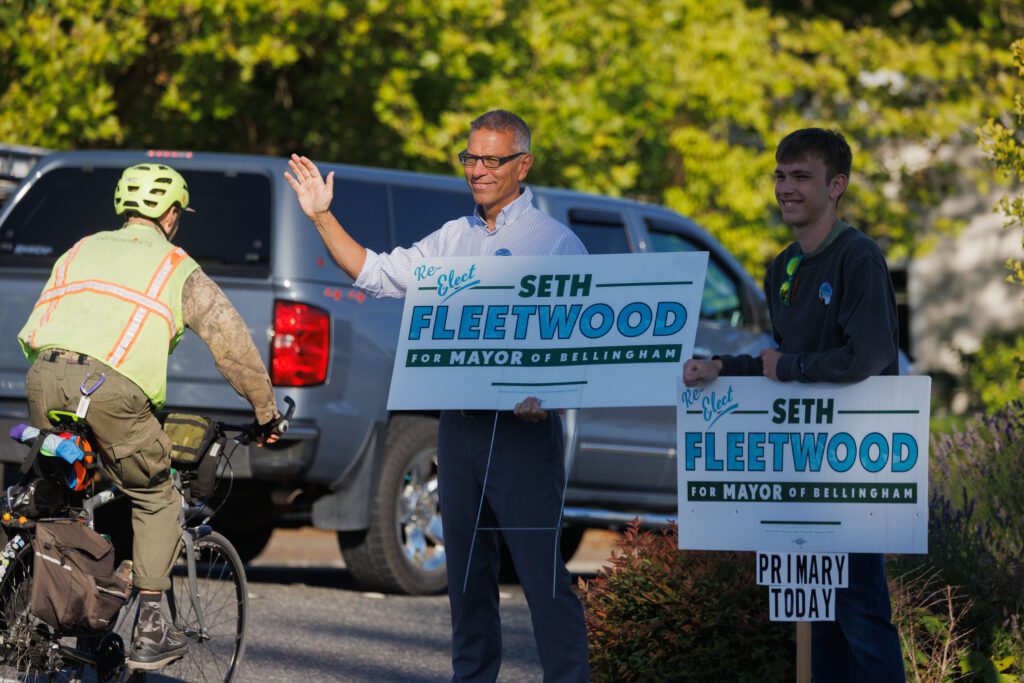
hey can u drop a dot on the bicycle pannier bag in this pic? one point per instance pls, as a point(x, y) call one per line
point(191, 449)
point(74, 586)
point(32, 499)
point(206, 474)
point(190, 437)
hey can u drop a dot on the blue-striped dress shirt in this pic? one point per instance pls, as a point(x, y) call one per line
point(520, 230)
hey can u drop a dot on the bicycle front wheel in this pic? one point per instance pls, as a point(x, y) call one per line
point(212, 611)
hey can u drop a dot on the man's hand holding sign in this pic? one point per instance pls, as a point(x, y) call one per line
point(530, 410)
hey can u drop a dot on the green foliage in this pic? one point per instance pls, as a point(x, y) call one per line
point(55, 66)
point(941, 424)
point(264, 76)
point(996, 371)
point(979, 667)
point(674, 101)
point(930, 619)
point(1005, 145)
point(660, 615)
point(1001, 18)
point(683, 101)
point(976, 534)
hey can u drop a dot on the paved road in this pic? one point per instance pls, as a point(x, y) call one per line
point(310, 623)
point(316, 627)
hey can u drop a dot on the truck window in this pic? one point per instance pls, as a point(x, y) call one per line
point(229, 234)
point(602, 232)
point(15, 163)
point(721, 299)
point(362, 207)
point(420, 211)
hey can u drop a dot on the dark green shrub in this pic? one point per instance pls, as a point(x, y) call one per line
point(995, 372)
point(658, 614)
point(976, 532)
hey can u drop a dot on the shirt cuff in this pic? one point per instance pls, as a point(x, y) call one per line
point(738, 366)
point(265, 412)
point(368, 275)
point(786, 368)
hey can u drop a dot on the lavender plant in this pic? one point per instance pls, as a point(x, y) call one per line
point(976, 531)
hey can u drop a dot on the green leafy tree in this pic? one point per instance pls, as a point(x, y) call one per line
point(1002, 141)
point(683, 101)
point(55, 65)
point(264, 76)
point(997, 370)
point(678, 102)
point(1001, 19)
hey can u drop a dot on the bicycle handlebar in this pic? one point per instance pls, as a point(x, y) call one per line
point(251, 431)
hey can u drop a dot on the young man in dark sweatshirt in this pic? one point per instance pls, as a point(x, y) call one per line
point(833, 315)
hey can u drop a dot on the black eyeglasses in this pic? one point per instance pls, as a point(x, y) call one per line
point(467, 159)
point(786, 288)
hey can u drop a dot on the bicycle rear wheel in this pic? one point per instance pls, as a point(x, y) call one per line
point(26, 644)
point(221, 594)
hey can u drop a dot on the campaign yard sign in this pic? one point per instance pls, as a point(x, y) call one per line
point(813, 468)
point(574, 331)
point(802, 586)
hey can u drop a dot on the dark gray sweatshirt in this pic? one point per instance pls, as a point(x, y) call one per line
point(840, 324)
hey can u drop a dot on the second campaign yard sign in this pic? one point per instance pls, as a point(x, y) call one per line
point(808, 468)
point(575, 331)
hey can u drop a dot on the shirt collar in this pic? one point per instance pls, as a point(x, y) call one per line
point(511, 212)
point(149, 225)
point(837, 228)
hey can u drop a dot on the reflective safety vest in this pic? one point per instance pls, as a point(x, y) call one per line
point(115, 296)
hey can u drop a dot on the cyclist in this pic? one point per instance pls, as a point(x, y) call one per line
point(115, 306)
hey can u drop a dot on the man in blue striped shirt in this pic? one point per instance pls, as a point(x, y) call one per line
point(495, 469)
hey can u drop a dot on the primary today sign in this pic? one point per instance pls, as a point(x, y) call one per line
point(813, 468)
point(575, 331)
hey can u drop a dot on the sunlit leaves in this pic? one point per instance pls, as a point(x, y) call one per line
point(679, 102)
point(1003, 140)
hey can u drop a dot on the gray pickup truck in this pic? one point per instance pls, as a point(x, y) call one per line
point(347, 463)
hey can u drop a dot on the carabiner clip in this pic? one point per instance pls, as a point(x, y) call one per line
point(94, 387)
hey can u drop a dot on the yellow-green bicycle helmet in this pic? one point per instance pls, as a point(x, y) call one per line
point(150, 189)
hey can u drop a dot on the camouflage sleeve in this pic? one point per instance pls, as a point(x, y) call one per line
point(209, 313)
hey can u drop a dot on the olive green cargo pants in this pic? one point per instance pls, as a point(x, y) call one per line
point(133, 448)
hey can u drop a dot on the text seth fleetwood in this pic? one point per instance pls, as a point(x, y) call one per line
point(545, 322)
point(787, 451)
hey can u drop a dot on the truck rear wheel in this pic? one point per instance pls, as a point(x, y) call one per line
point(249, 542)
point(403, 550)
point(246, 517)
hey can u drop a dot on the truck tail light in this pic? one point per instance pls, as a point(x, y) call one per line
point(302, 345)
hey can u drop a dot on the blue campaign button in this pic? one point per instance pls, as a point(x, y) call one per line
point(825, 293)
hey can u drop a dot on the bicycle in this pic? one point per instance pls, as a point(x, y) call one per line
point(208, 598)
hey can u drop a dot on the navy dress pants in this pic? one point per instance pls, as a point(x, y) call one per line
point(521, 490)
point(861, 644)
